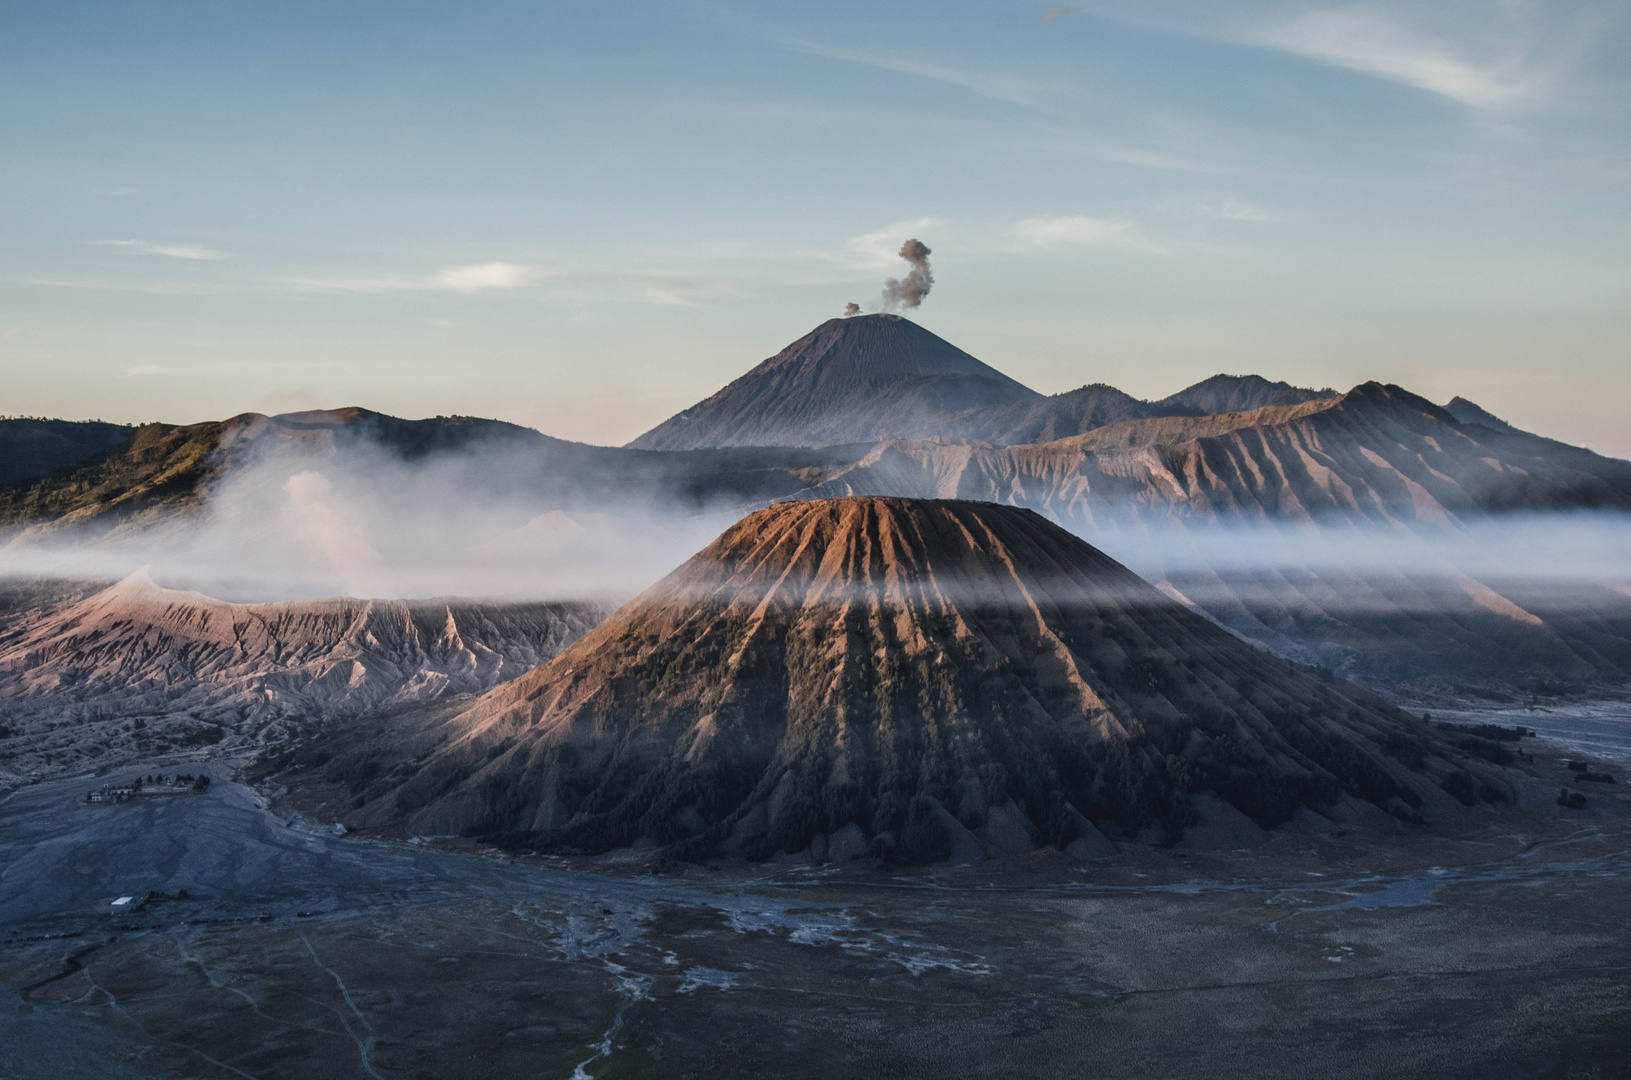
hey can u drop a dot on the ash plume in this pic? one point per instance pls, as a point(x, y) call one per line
point(851, 308)
point(910, 291)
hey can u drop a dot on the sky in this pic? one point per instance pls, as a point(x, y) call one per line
point(584, 217)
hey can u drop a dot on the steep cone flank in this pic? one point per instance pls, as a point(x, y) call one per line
point(914, 678)
point(848, 380)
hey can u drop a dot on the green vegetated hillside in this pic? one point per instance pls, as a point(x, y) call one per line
point(165, 471)
point(917, 679)
point(159, 467)
point(34, 447)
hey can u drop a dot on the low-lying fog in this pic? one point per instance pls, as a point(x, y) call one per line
point(366, 523)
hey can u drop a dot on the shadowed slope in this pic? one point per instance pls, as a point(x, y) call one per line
point(1467, 412)
point(30, 449)
point(914, 678)
point(1057, 417)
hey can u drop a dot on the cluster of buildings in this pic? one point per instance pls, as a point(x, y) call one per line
point(179, 784)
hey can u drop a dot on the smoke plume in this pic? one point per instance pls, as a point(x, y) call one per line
point(851, 308)
point(909, 293)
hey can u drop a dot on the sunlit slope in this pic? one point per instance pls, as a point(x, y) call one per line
point(908, 677)
point(1375, 464)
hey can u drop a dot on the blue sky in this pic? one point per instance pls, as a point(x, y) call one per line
point(584, 217)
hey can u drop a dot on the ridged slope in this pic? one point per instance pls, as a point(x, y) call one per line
point(1377, 461)
point(905, 676)
point(847, 381)
point(211, 669)
point(1377, 455)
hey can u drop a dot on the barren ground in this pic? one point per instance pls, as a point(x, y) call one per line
point(1495, 950)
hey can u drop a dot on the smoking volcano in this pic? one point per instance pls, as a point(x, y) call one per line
point(849, 380)
point(916, 679)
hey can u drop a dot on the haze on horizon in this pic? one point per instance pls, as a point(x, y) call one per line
point(584, 219)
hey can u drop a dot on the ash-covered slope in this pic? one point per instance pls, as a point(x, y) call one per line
point(847, 381)
point(137, 668)
point(919, 679)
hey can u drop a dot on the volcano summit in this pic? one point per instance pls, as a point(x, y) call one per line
point(917, 679)
point(847, 381)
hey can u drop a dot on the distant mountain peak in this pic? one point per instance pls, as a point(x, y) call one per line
point(1239, 393)
point(854, 379)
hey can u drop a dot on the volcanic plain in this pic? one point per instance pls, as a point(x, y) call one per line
point(1490, 948)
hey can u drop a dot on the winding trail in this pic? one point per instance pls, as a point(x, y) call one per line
point(365, 1047)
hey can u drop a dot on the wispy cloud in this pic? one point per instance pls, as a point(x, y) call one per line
point(998, 86)
point(1235, 210)
point(1058, 13)
point(582, 285)
point(1369, 42)
point(1227, 209)
point(1078, 232)
point(174, 251)
point(150, 288)
point(881, 247)
point(480, 277)
point(670, 288)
